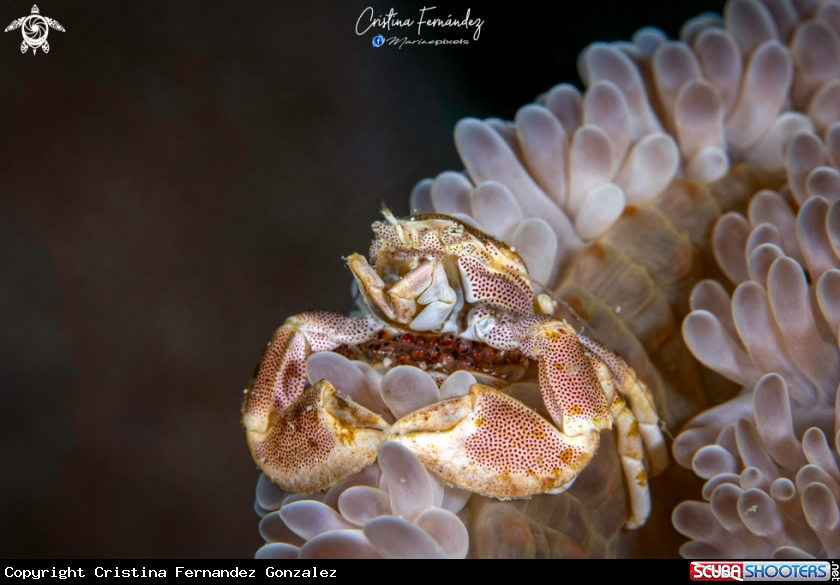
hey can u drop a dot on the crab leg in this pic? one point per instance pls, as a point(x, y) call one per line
point(641, 401)
point(306, 440)
point(630, 448)
point(492, 444)
point(631, 452)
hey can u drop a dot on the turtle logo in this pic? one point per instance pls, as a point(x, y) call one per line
point(35, 29)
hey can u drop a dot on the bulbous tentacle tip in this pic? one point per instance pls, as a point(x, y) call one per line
point(492, 444)
point(791, 553)
point(320, 439)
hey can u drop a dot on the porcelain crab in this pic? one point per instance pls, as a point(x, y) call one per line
point(443, 286)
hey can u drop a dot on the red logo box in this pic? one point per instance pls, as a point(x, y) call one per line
point(717, 571)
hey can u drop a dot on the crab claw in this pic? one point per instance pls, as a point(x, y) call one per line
point(571, 388)
point(307, 440)
point(490, 443)
point(322, 438)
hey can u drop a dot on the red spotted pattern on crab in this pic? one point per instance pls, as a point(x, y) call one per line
point(444, 296)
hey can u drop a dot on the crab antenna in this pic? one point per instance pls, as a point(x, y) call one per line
point(393, 221)
point(388, 215)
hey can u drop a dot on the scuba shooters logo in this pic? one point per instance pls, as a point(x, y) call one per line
point(764, 571)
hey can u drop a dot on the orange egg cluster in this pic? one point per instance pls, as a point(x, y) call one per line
point(446, 353)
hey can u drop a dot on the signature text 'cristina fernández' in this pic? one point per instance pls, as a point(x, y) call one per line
point(367, 20)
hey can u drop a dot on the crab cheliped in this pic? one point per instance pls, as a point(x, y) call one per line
point(444, 297)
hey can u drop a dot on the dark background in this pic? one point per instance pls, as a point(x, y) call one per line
point(176, 178)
